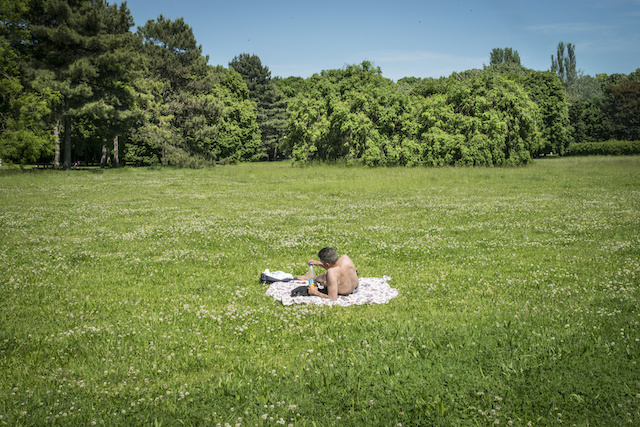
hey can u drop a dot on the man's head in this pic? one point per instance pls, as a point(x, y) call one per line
point(328, 256)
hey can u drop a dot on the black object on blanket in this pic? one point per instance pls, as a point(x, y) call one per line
point(266, 279)
point(303, 291)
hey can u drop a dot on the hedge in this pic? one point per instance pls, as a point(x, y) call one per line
point(607, 148)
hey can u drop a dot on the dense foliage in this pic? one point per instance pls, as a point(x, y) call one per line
point(482, 118)
point(193, 113)
point(22, 108)
point(271, 104)
point(73, 71)
point(607, 148)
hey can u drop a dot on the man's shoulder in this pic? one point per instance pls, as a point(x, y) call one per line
point(345, 258)
point(345, 261)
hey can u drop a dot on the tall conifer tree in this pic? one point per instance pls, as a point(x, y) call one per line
point(23, 137)
point(270, 103)
point(81, 49)
point(195, 114)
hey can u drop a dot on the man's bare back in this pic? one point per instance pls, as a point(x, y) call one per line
point(340, 278)
point(343, 273)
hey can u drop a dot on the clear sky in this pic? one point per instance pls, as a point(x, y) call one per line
point(406, 37)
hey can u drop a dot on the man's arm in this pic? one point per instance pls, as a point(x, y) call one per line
point(332, 288)
point(320, 278)
point(316, 292)
point(316, 263)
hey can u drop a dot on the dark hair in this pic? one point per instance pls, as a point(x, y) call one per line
point(328, 255)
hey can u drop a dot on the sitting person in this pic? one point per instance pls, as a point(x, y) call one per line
point(340, 278)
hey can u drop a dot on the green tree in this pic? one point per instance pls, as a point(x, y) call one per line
point(504, 56)
point(473, 118)
point(621, 108)
point(588, 121)
point(547, 91)
point(565, 65)
point(353, 114)
point(23, 109)
point(290, 86)
point(82, 50)
point(194, 114)
point(487, 119)
point(605, 107)
point(555, 128)
point(270, 102)
point(585, 98)
point(173, 60)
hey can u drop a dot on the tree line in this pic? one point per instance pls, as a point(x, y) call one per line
point(77, 85)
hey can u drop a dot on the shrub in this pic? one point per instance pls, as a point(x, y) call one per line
point(606, 148)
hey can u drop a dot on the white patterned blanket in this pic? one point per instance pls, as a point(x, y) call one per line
point(371, 290)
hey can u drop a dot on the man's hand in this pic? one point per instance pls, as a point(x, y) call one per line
point(313, 290)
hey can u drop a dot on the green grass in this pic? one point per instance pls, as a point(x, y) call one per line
point(131, 296)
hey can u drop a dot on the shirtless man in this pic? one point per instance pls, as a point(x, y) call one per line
point(340, 278)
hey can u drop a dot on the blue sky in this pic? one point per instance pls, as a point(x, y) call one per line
point(407, 38)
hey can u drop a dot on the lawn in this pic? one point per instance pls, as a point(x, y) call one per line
point(131, 296)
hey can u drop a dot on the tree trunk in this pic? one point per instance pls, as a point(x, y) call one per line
point(116, 141)
point(67, 143)
point(56, 144)
point(103, 159)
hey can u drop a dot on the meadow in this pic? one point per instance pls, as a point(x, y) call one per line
point(131, 296)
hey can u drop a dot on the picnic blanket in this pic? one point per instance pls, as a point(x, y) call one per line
point(371, 290)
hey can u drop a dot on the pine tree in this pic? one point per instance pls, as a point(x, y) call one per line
point(195, 114)
point(23, 137)
point(82, 50)
point(270, 102)
point(173, 61)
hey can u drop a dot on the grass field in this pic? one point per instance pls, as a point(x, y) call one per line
point(131, 296)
